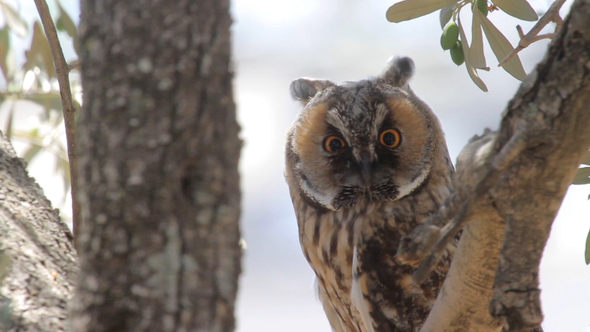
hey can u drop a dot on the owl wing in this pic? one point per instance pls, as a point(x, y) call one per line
point(383, 290)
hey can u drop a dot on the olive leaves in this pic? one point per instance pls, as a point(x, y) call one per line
point(518, 8)
point(454, 39)
point(410, 9)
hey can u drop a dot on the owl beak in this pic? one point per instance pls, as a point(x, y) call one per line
point(366, 169)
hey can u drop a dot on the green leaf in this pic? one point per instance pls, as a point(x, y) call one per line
point(65, 23)
point(586, 159)
point(482, 5)
point(39, 53)
point(445, 15)
point(587, 253)
point(410, 9)
point(5, 62)
point(501, 47)
point(476, 56)
point(49, 100)
point(13, 20)
point(470, 69)
point(582, 176)
point(518, 8)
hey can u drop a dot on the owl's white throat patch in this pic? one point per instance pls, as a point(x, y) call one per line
point(327, 199)
point(324, 199)
point(407, 189)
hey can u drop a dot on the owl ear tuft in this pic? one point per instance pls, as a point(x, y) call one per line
point(399, 71)
point(303, 89)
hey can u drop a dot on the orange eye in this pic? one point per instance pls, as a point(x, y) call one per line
point(334, 144)
point(390, 138)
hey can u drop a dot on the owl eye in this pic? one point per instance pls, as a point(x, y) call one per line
point(334, 144)
point(390, 138)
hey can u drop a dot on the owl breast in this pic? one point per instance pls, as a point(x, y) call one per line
point(329, 238)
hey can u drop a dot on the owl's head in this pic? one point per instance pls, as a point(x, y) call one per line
point(371, 140)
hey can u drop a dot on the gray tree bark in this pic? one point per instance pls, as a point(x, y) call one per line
point(38, 263)
point(159, 149)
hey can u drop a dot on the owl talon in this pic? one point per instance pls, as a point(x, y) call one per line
point(414, 247)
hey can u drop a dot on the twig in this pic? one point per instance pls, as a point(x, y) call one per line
point(69, 110)
point(552, 15)
point(73, 65)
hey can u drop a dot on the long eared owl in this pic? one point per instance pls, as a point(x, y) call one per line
point(366, 162)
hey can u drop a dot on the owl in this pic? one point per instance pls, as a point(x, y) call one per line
point(366, 162)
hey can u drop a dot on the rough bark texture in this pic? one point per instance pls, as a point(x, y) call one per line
point(36, 251)
point(159, 150)
point(551, 117)
point(517, 185)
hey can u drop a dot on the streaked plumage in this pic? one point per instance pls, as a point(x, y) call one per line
point(389, 172)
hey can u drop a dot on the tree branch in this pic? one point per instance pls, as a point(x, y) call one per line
point(40, 277)
point(543, 135)
point(69, 110)
point(471, 184)
point(480, 244)
point(552, 15)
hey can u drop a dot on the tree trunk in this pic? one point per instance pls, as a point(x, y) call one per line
point(159, 150)
point(38, 263)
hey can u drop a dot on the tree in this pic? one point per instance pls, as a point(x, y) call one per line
point(159, 149)
point(159, 184)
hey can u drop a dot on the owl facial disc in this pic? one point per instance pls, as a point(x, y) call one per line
point(365, 141)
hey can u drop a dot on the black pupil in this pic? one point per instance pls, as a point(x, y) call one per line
point(335, 144)
point(389, 138)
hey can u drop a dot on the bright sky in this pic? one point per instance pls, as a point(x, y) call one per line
point(276, 42)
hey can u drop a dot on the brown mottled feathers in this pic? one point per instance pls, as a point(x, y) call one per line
point(356, 199)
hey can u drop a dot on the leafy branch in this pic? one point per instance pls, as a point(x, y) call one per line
point(453, 38)
point(471, 54)
point(552, 15)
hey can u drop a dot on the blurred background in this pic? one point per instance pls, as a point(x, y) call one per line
point(276, 42)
